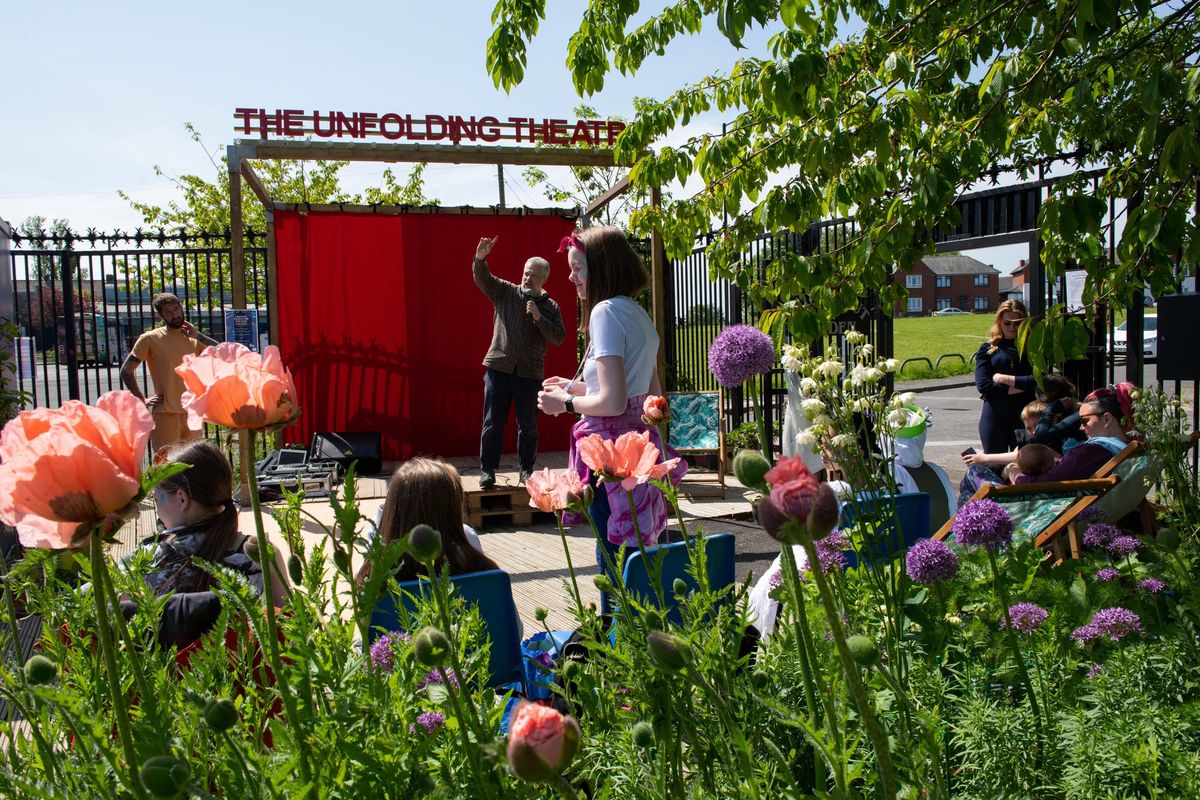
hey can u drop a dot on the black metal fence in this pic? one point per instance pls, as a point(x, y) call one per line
point(81, 301)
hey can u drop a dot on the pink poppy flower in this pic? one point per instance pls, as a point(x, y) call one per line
point(655, 409)
point(541, 742)
point(553, 491)
point(631, 459)
point(67, 467)
point(233, 386)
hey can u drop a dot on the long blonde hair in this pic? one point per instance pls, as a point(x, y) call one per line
point(996, 334)
point(427, 491)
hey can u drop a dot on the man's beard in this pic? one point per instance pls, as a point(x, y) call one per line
point(176, 324)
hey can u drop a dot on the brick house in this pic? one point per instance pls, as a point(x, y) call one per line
point(938, 282)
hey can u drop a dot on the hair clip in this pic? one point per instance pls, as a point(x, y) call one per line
point(569, 241)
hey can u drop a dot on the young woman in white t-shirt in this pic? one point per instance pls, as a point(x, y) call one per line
point(619, 372)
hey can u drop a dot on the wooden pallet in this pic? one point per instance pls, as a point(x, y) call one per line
point(504, 505)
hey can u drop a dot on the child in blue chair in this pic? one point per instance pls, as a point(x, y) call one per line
point(427, 491)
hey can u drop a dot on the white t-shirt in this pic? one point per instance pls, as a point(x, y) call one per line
point(620, 327)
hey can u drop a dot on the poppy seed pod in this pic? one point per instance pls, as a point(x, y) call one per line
point(431, 647)
point(643, 735)
point(750, 467)
point(602, 583)
point(295, 568)
point(863, 650)
point(220, 714)
point(668, 651)
point(164, 776)
point(1167, 539)
point(425, 544)
point(679, 587)
point(40, 670)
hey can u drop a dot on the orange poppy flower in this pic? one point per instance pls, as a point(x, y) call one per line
point(64, 468)
point(231, 385)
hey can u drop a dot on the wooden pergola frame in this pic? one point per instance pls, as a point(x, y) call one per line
point(244, 151)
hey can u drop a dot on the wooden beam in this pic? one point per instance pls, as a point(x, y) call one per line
point(256, 185)
point(237, 263)
point(658, 291)
point(434, 154)
point(612, 193)
point(358, 208)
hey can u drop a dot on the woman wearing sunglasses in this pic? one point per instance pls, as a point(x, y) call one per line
point(1004, 379)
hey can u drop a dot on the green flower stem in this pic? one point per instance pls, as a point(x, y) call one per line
point(617, 580)
point(763, 444)
point(108, 653)
point(815, 689)
point(719, 703)
point(148, 696)
point(461, 696)
point(562, 534)
point(1002, 593)
point(564, 787)
point(655, 569)
point(268, 563)
point(45, 751)
point(879, 740)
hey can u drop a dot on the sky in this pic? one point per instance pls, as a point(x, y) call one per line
point(97, 95)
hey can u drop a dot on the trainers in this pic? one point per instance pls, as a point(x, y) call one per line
point(487, 481)
point(525, 475)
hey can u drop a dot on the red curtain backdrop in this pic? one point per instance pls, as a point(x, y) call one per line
point(384, 329)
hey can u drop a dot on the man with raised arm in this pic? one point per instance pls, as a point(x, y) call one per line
point(525, 320)
point(162, 350)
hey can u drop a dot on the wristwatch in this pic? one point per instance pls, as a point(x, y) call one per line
point(570, 404)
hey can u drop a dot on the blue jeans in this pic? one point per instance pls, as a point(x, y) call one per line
point(600, 512)
point(501, 391)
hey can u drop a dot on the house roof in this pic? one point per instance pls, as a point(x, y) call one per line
point(1006, 283)
point(957, 265)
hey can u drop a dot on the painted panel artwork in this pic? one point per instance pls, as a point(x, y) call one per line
point(695, 420)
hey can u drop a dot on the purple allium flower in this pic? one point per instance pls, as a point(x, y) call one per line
point(1113, 623)
point(1099, 536)
point(434, 678)
point(1123, 546)
point(1094, 670)
point(1107, 574)
point(1151, 585)
point(983, 523)
point(776, 579)
point(1026, 617)
point(429, 720)
point(930, 561)
point(1092, 514)
point(739, 353)
point(830, 552)
point(382, 654)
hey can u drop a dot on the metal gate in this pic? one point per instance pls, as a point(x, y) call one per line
point(81, 301)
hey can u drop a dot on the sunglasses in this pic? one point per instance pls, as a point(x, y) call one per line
point(1086, 417)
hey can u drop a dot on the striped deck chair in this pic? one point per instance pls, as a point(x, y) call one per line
point(1048, 512)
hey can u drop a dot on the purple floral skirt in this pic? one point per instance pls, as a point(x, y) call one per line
point(647, 499)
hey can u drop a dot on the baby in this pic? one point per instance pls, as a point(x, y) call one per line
point(1036, 459)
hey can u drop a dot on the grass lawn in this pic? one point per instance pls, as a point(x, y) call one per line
point(935, 336)
point(930, 337)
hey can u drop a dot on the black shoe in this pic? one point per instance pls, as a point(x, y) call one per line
point(487, 481)
point(525, 475)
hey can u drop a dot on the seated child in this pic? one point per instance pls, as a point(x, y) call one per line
point(200, 523)
point(1059, 426)
point(427, 491)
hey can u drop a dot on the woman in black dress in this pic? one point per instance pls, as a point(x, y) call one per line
point(1004, 380)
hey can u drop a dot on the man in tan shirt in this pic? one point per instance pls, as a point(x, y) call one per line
point(162, 350)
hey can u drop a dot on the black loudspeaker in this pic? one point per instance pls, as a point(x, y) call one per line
point(1178, 355)
point(343, 447)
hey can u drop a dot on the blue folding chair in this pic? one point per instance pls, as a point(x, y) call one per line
point(719, 566)
point(491, 592)
point(891, 537)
